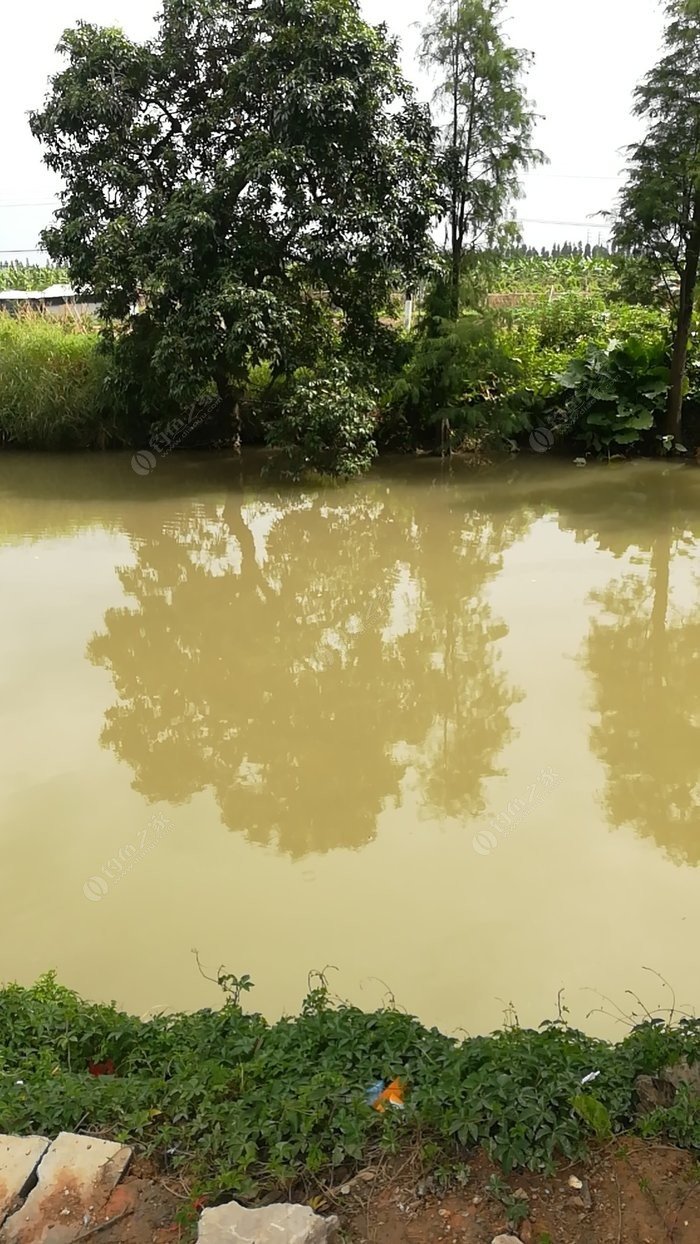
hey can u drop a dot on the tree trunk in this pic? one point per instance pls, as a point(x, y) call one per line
point(455, 273)
point(460, 198)
point(445, 439)
point(679, 358)
point(230, 402)
point(454, 221)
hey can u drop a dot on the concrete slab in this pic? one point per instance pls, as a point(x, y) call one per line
point(19, 1158)
point(75, 1178)
point(275, 1224)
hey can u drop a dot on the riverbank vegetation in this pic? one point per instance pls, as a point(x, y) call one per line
point(250, 248)
point(54, 385)
point(244, 1107)
point(525, 353)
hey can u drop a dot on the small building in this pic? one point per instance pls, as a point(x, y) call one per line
point(55, 300)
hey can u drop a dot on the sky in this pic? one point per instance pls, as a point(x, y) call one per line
point(587, 63)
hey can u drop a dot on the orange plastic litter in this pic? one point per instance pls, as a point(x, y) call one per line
point(391, 1096)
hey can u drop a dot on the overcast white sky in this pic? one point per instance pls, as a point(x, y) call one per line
point(587, 62)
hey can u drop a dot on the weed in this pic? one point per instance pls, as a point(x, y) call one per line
point(240, 1106)
point(54, 389)
point(516, 1209)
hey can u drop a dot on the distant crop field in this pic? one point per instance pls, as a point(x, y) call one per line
point(533, 274)
point(31, 276)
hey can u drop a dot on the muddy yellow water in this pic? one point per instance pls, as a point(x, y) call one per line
point(439, 730)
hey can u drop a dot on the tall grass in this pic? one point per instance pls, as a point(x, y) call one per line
point(53, 384)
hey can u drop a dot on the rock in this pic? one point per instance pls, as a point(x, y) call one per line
point(362, 1177)
point(76, 1176)
point(685, 1073)
point(275, 1224)
point(655, 1091)
point(652, 1092)
point(505, 1239)
point(575, 1182)
point(579, 462)
point(526, 1231)
point(19, 1158)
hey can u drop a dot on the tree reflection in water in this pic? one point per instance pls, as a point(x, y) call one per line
point(299, 657)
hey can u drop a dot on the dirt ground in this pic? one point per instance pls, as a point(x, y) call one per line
point(631, 1192)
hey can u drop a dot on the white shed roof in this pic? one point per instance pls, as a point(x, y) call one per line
point(34, 295)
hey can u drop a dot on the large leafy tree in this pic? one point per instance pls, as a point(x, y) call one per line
point(487, 123)
point(254, 157)
point(659, 210)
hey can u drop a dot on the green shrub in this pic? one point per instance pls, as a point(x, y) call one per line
point(459, 373)
point(622, 320)
point(243, 1107)
point(533, 367)
point(543, 336)
point(616, 392)
point(561, 322)
point(327, 425)
point(539, 338)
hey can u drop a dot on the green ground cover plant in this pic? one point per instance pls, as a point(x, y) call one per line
point(241, 1106)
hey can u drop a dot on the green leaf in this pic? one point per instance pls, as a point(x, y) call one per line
point(572, 377)
point(594, 1113)
point(643, 421)
point(625, 437)
point(627, 409)
point(599, 419)
point(655, 390)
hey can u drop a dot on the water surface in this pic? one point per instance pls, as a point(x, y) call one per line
point(440, 730)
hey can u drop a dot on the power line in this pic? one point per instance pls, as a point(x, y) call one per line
point(573, 224)
point(524, 220)
point(575, 176)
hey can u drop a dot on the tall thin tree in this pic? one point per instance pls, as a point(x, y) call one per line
point(487, 122)
point(658, 214)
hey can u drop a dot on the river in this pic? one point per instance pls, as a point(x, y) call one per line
point(436, 732)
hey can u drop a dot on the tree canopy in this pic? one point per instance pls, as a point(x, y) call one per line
point(486, 120)
point(659, 209)
point(252, 164)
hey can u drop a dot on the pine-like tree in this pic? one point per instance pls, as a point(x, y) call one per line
point(486, 122)
point(659, 209)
